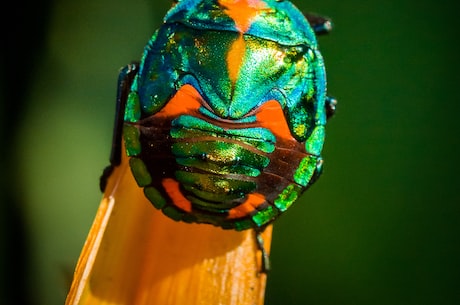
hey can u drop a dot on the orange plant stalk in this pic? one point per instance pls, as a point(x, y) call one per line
point(135, 255)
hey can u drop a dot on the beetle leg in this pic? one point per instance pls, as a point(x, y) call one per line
point(260, 245)
point(331, 105)
point(125, 79)
point(321, 25)
point(318, 171)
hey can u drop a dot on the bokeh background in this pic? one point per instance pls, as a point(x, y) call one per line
point(379, 228)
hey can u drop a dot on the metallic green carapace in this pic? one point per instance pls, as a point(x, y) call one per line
point(223, 118)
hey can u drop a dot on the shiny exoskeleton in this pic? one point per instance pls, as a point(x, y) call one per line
point(223, 119)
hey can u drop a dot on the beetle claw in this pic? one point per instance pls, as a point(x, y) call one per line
point(331, 105)
point(265, 257)
point(320, 24)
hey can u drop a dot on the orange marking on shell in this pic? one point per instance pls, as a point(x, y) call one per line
point(185, 100)
point(235, 58)
point(178, 199)
point(251, 204)
point(271, 116)
point(242, 11)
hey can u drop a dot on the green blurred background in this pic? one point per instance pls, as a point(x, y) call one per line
point(380, 226)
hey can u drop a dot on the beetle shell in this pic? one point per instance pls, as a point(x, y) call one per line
point(224, 122)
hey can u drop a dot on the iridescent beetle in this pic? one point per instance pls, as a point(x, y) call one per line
point(223, 118)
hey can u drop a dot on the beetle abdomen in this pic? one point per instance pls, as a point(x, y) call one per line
point(197, 168)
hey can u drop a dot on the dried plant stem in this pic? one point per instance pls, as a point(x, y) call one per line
point(135, 255)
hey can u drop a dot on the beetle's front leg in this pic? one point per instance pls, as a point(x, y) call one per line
point(320, 24)
point(125, 80)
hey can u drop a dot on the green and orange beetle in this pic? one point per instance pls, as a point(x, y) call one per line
point(223, 119)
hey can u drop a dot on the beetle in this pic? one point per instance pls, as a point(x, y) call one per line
point(223, 119)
